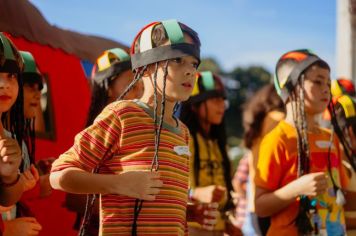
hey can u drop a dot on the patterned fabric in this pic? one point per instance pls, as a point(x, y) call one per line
point(277, 166)
point(211, 170)
point(241, 177)
point(127, 129)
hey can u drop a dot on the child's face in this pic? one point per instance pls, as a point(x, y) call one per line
point(212, 111)
point(316, 90)
point(32, 96)
point(119, 85)
point(180, 79)
point(9, 89)
point(181, 76)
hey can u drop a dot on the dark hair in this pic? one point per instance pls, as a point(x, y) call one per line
point(99, 100)
point(190, 118)
point(29, 124)
point(13, 120)
point(340, 124)
point(255, 110)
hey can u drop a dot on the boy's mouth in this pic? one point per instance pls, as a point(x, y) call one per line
point(187, 85)
point(4, 97)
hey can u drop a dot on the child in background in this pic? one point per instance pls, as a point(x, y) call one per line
point(133, 137)
point(19, 218)
point(299, 171)
point(210, 175)
point(11, 109)
point(111, 75)
point(261, 114)
point(343, 121)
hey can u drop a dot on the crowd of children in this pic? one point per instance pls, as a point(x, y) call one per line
point(153, 158)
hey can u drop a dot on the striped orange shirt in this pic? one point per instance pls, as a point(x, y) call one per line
point(126, 128)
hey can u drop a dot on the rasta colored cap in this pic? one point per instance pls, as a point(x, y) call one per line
point(31, 73)
point(111, 63)
point(303, 59)
point(145, 51)
point(10, 59)
point(342, 86)
point(207, 85)
point(348, 106)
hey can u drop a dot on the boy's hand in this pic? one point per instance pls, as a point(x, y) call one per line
point(10, 159)
point(311, 185)
point(205, 214)
point(23, 226)
point(30, 178)
point(209, 194)
point(138, 184)
point(45, 186)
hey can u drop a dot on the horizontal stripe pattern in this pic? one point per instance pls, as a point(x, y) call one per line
point(126, 129)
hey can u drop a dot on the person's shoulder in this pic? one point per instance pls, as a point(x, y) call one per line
point(277, 136)
point(118, 110)
point(279, 131)
point(122, 105)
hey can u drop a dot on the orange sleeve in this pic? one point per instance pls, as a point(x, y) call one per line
point(92, 144)
point(270, 161)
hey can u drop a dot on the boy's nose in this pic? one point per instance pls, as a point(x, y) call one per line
point(190, 71)
point(4, 84)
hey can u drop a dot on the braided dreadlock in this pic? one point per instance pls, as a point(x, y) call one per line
point(302, 220)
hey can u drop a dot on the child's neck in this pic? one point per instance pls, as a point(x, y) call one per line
point(168, 108)
point(311, 119)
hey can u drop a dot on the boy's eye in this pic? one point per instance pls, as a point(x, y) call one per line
point(195, 65)
point(177, 60)
point(317, 82)
point(12, 76)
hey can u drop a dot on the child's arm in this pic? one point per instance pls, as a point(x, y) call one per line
point(136, 184)
point(268, 202)
point(11, 187)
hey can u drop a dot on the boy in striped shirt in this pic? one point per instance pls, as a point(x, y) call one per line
point(131, 137)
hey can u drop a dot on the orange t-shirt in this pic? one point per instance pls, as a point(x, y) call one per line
point(277, 166)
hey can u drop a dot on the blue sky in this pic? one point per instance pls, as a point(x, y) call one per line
point(234, 32)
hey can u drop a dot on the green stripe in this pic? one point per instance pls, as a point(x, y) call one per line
point(208, 80)
point(175, 33)
point(120, 53)
point(7, 48)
